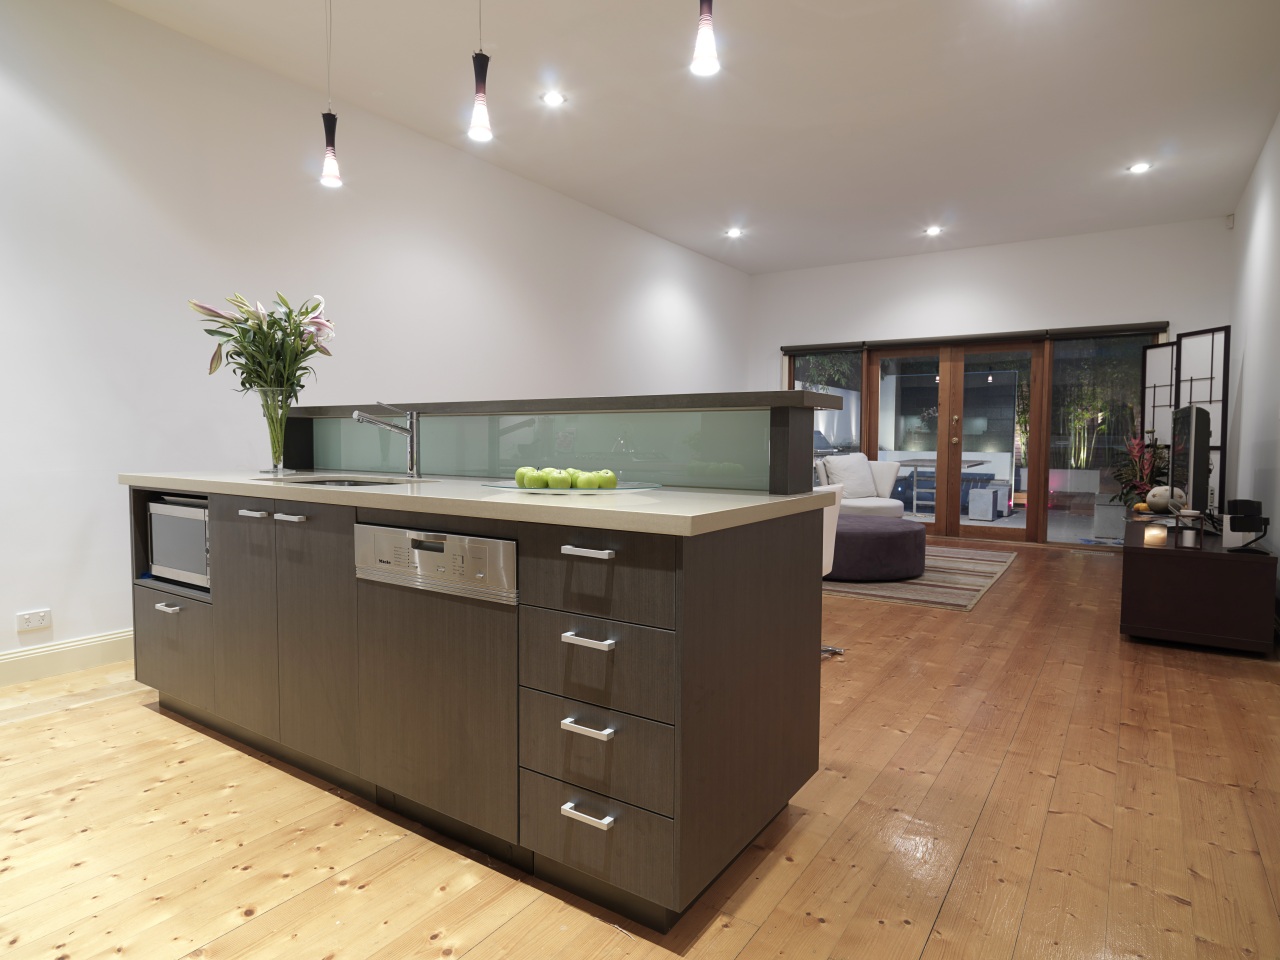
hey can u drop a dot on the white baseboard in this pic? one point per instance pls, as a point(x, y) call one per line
point(64, 656)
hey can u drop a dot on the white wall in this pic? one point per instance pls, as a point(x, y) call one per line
point(141, 169)
point(1180, 273)
point(1254, 431)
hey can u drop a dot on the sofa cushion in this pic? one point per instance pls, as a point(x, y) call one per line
point(854, 471)
point(872, 507)
point(885, 474)
point(820, 472)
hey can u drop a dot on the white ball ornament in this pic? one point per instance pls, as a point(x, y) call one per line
point(1161, 499)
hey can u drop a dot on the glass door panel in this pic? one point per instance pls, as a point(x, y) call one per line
point(907, 429)
point(1095, 405)
point(991, 497)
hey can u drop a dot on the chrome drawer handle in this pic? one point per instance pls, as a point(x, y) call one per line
point(292, 517)
point(585, 552)
point(568, 811)
point(571, 637)
point(568, 724)
point(165, 608)
point(253, 513)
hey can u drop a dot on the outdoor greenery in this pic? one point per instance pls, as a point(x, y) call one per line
point(1096, 392)
point(822, 371)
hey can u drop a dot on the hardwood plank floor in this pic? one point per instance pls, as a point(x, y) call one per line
point(1016, 781)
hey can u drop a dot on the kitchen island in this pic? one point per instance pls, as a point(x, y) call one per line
point(640, 710)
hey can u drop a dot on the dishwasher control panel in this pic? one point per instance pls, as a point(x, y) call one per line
point(477, 567)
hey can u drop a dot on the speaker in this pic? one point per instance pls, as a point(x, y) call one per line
point(1244, 508)
point(1239, 529)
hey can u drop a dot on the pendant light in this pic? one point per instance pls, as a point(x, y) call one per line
point(329, 175)
point(705, 62)
point(480, 130)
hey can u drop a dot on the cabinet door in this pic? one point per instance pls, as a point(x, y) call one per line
point(438, 702)
point(173, 645)
point(242, 580)
point(316, 616)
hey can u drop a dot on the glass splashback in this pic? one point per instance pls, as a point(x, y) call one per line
point(686, 448)
point(343, 444)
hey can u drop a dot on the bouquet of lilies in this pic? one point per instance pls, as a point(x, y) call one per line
point(268, 349)
point(1144, 465)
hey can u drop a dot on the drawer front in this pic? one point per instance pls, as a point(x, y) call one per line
point(173, 645)
point(617, 665)
point(602, 573)
point(635, 853)
point(634, 764)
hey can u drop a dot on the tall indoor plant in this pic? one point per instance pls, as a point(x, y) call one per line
point(1145, 464)
point(268, 350)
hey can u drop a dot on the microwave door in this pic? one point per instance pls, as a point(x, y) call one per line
point(179, 544)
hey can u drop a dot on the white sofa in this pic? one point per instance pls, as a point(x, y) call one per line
point(830, 517)
point(868, 484)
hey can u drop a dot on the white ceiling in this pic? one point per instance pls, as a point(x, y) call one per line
point(836, 130)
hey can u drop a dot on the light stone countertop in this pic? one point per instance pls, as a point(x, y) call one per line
point(678, 511)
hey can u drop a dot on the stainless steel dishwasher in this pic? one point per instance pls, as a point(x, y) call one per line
point(438, 626)
point(475, 567)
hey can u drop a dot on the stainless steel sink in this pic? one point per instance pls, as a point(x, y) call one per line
point(341, 481)
point(348, 483)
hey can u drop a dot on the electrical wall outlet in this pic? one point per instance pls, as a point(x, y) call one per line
point(35, 620)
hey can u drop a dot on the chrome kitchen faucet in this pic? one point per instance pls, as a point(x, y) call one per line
point(409, 432)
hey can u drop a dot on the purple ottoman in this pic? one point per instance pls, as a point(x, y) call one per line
point(877, 548)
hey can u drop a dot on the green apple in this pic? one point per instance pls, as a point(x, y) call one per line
point(535, 481)
point(559, 480)
point(548, 471)
point(522, 474)
point(608, 479)
point(586, 481)
point(572, 471)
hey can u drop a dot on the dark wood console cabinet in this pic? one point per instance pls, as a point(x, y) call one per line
point(1206, 596)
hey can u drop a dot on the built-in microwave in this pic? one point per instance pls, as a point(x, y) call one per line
point(178, 540)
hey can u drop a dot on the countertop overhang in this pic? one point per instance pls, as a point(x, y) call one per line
point(676, 511)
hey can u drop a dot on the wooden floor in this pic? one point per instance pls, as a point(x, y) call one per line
point(1018, 781)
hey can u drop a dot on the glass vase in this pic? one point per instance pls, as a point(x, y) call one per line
point(275, 409)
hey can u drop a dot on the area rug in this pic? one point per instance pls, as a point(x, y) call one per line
point(954, 578)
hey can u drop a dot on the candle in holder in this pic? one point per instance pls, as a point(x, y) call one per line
point(1155, 535)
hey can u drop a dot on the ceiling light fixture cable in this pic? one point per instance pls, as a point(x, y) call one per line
point(705, 62)
point(329, 175)
point(480, 129)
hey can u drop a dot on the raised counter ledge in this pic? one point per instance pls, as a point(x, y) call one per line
point(758, 400)
point(677, 511)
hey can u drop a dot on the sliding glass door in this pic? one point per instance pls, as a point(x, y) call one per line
point(999, 441)
point(961, 421)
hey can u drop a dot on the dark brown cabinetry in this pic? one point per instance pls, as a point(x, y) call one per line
point(438, 702)
point(242, 577)
point(602, 573)
point(647, 709)
point(1206, 596)
point(173, 645)
point(284, 607)
point(674, 647)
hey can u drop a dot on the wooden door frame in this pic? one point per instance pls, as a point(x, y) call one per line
point(1036, 527)
point(951, 356)
point(871, 357)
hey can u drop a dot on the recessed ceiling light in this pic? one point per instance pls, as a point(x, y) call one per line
point(553, 98)
point(934, 231)
point(733, 233)
point(1142, 167)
